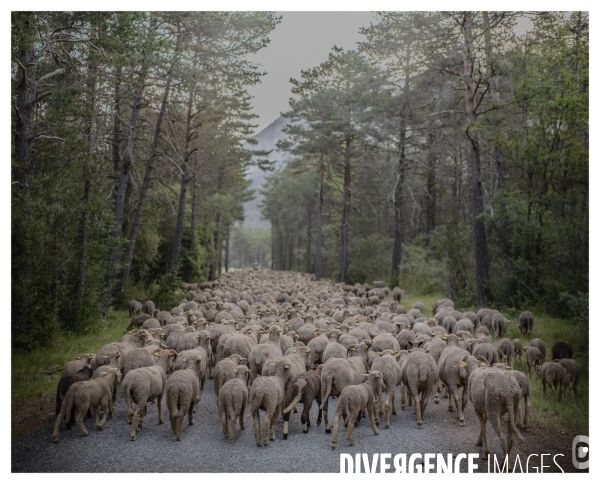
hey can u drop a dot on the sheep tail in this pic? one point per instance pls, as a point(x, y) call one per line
point(67, 405)
point(255, 402)
point(347, 412)
point(300, 387)
point(328, 384)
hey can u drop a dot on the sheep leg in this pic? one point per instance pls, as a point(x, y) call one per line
point(274, 421)
point(425, 401)
point(350, 427)
point(242, 425)
point(79, 422)
point(336, 425)
point(494, 416)
point(394, 401)
point(527, 411)
point(325, 404)
point(161, 420)
point(388, 407)
point(224, 420)
point(266, 429)
point(371, 412)
point(402, 396)
point(134, 422)
point(304, 418)
point(461, 410)
point(191, 409)
point(105, 406)
point(286, 420)
point(202, 383)
point(436, 396)
point(256, 425)
point(451, 400)
point(482, 439)
point(231, 427)
point(418, 410)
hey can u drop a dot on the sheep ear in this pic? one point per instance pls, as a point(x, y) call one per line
point(286, 366)
point(460, 339)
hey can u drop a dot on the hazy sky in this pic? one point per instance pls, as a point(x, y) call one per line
point(301, 40)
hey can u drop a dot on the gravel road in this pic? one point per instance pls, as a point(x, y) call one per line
point(203, 447)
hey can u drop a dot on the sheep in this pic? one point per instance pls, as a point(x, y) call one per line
point(137, 321)
point(506, 350)
point(233, 344)
point(494, 392)
point(397, 294)
point(542, 347)
point(553, 374)
point(385, 341)
point(163, 317)
point(137, 358)
point(455, 366)
point(150, 309)
point(517, 349)
point(181, 393)
point(334, 350)
point(419, 374)
point(420, 306)
point(304, 388)
point(561, 349)
point(523, 381)
point(224, 371)
point(337, 374)
point(533, 355)
point(192, 355)
point(80, 361)
point(135, 307)
point(488, 351)
point(143, 385)
point(232, 401)
point(464, 324)
point(571, 375)
point(406, 338)
point(267, 394)
point(353, 400)
point(260, 353)
point(499, 323)
point(482, 330)
point(449, 323)
point(392, 377)
point(525, 323)
point(88, 394)
point(66, 380)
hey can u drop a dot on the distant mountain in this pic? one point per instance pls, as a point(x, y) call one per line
point(267, 140)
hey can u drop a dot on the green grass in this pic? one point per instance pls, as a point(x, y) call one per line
point(566, 415)
point(38, 372)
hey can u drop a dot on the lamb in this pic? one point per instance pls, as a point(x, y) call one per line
point(562, 349)
point(525, 323)
point(552, 374)
point(267, 394)
point(143, 385)
point(88, 394)
point(419, 374)
point(455, 367)
point(571, 375)
point(506, 351)
point(533, 355)
point(353, 400)
point(392, 377)
point(304, 388)
point(406, 338)
point(232, 401)
point(181, 393)
point(135, 307)
point(83, 374)
point(494, 392)
point(224, 371)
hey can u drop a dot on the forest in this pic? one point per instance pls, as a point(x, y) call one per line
point(446, 154)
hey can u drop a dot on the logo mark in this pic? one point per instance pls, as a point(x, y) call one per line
point(580, 450)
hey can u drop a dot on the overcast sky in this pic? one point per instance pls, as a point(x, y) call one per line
point(301, 40)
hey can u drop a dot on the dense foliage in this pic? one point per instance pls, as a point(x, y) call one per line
point(448, 154)
point(128, 159)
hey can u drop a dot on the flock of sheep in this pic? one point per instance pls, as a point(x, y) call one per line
point(272, 340)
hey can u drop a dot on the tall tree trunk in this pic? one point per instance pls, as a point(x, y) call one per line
point(216, 264)
point(318, 261)
point(85, 221)
point(190, 274)
point(227, 249)
point(343, 258)
point(400, 167)
point(184, 176)
point(124, 164)
point(431, 194)
point(149, 166)
point(480, 240)
point(116, 143)
point(308, 241)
